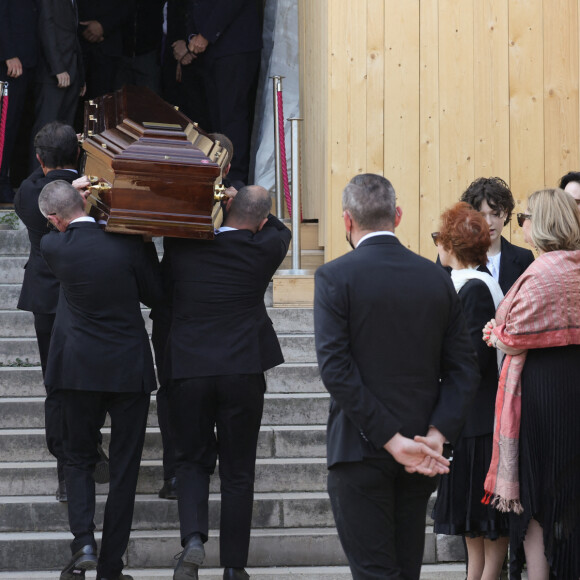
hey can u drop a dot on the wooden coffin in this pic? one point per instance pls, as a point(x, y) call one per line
point(152, 170)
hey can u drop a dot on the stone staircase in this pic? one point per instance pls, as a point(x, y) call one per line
point(293, 534)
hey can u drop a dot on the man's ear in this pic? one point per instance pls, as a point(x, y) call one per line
point(347, 221)
point(262, 224)
point(41, 164)
point(398, 216)
point(229, 203)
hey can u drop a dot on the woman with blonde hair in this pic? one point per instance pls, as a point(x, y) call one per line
point(535, 467)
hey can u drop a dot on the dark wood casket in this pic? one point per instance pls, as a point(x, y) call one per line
point(152, 170)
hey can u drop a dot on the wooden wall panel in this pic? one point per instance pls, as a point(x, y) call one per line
point(491, 88)
point(432, 94)
point(526, 69)
point(402, 112)
point(560, 87)
point(429, 198)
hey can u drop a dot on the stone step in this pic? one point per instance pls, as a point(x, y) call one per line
point(9, 294)
point(428, 572)
point(272, 475)
point(278, 441)
point(286, 378)
point(156, 549)
point(14, 242)
point(271, 510)
point(295, 348)
point(43, 513)
point(18, 323)
point(12, 269)
point(279, 409)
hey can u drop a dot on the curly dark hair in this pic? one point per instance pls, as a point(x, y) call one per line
point(569, 177)
point(465, 233)
point(495, 191)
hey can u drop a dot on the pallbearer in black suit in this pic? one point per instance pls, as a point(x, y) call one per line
point(395, 355)
point(221, 342)
point(491, 196)
point(99, 361)
point(57, 150)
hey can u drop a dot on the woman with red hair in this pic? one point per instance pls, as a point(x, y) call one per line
point(462, 243)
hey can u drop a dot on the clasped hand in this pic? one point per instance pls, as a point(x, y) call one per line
point(420, 455)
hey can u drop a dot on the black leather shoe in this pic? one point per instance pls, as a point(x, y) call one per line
point(190, 560)
point(101, 473)
point(84, 559)
point(235, 574)
point(169, 489)
point(119, 577)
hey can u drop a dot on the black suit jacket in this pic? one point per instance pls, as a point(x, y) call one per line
point(18, 31)
point(230, 26)
point(220, 325)
point(512, 263)
point(99, 341)
point(60, 50)
point(40, 288)
point(478, 309)
point(392, 347)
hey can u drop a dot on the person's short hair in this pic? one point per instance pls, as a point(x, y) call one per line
point(57, 145)
point(555, 220)
point(568, 178)
point(371, 202)
point(495, 191)
point(251, 205)
point(60, 198)
point(465, 233)
point(226, 143)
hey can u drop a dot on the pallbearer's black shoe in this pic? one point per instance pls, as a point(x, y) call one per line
point(169, 489)
point(235, 574)
point(190, 560)
point(119, 577)
point(84, 559)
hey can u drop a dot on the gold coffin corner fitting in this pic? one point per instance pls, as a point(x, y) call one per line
point(96, 187)
point(219, 192)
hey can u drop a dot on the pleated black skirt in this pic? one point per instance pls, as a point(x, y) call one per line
point(458, 509)
point(550, 459)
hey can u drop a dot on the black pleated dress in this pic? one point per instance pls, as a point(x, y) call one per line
point(550, 459)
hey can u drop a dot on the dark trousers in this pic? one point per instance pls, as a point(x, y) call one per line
point(380, 511)
point(230, 84)
point(17, 89)
point(52, 414)
point(233, 405)
point(82, 415)
point(53, 104)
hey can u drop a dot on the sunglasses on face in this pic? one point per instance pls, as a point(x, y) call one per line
point(435, 237)
point(522, 217)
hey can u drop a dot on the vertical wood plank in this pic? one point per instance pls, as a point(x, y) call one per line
point(347, 77)
point(402, 112)
point(491, 83)
point(429, 209)
point(456, 94)
point(526, 71)
point(375, 86)
point(560, 88)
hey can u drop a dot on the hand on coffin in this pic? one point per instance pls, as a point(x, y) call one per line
point(81, 185)
point(179, 49)
point(230, 192)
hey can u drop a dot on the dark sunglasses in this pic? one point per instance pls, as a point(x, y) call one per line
point(522, 217)
point(435, 236)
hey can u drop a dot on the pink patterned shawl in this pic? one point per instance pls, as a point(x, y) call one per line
point(541, 310)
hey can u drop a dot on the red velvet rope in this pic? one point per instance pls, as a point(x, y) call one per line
point(283, 162)
point(3, 114)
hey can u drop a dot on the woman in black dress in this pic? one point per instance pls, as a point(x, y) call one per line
point(535, 467)
point(462, 244)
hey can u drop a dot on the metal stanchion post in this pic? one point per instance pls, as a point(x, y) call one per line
point(277, 85)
